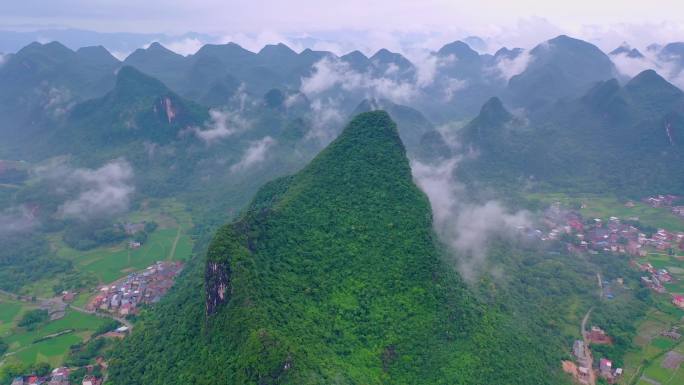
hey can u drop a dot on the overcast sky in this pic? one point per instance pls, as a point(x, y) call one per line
point(387, 23)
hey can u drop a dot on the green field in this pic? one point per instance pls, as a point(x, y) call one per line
point(111, 264)
point(665, 376)
point(605, 207)
point(169, 242)
point(23, 345)
point(650, 348)
point(9, 314)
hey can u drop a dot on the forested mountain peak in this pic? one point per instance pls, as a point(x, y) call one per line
point(130, 81)
point(626, 49)
point(494, 112)
point(273, 51)
point(224, 50)
point(459, 49)
point(331, 275)
point(139, 107)
point(153, 56)
point(562, 67)
point(385, 56)
point(649, 81)
point(97, 55)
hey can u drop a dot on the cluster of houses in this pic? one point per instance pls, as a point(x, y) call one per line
point(598, 336)
point(658, 201)
point(584, 372)
point(126, 295)
point(607, 371)
point(59, 376)
point(673, 333)
point(666, 201)
point(678, 300)
point(656, 278)
point(656, 281)
point(597, 235)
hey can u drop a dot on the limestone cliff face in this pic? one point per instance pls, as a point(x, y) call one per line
point(226, 249)
point(217, 285)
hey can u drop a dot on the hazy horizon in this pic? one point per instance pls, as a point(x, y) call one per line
point(405, 26)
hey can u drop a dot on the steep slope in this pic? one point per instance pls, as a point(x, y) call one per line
point(463, 81)
point(40, 83)
point(139, 108)
point(160, 62)
point(562, 67)
point(331, 276)
point(628, 51)
point(421, 139)
point(392, 65)
point(627, 140)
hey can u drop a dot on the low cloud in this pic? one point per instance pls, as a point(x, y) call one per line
point(509, 67)
point(330, 73)
point(631, 67)
point(669, 68)
point(326, 117)
point(56, 101)
point(91, 193)
point(185, 46)
point(452, 86)
point(255, 154)
point(104, 191)
point(466, 228)
point(17, 220)
point(255, 42)
point(221, 124)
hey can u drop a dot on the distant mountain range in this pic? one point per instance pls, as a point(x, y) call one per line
point(454, 86)
point(48, 91)
point(624, 139)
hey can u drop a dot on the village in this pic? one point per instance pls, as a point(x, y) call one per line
point(125, 296)
point(582, 366)
point(597, 235)
point(116, 300)
point(615, 236)
point(58, 376)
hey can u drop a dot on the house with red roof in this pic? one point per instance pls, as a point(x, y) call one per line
point(678, 300)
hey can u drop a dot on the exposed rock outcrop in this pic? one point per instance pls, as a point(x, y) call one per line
point(217, 285)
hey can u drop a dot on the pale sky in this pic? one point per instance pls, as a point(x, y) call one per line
point(381, 22)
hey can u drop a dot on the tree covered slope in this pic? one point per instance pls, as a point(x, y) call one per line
point(624, 139)
point(331, 276)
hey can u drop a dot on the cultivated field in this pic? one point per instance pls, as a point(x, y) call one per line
point(27, 346)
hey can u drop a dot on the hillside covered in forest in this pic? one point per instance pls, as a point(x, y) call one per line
point(331, 276)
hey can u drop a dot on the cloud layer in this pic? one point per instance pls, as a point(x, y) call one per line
point(255, 154)
point(669, 68)
point(466, 228)
point(17, 219)
point(221, 124)
point(90, 193)
point(102, 192)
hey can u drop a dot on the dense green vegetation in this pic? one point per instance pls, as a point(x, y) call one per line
point(83, 354)
point(87, 235)
point(335, 275)
point(45, 342)
point(620, 140)
point(25, 258)
point(335, 278)
point(33, 318)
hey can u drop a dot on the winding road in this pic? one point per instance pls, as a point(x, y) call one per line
point(587, 351)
